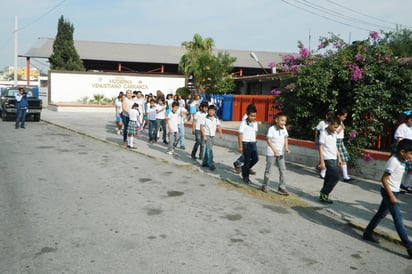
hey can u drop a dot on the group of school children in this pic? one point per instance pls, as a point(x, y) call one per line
point(396, 176)
point(328, 137)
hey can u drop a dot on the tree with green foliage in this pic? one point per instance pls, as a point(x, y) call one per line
point(365, 77)
point(211, 73)
point(65, 56)
point(400, 42)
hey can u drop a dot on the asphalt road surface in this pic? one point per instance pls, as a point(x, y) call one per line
point(73, 204)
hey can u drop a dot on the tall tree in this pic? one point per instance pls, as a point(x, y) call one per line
point(65, 56)
point(210, 72)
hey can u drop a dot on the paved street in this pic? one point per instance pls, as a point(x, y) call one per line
point(72, 200)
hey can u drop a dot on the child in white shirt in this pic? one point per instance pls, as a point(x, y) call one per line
point(247, 143)
point(277, 140)
point(134, 125)
point(172, 121)
point(390, 188)
point(209, 125)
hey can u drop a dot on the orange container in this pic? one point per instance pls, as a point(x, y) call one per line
point(264, 105)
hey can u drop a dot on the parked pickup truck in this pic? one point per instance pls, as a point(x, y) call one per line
point(8, 103)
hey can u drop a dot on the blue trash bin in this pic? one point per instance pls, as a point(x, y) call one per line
point(227, 107)
point(35, 91)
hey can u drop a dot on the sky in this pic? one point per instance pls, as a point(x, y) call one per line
point(258, 25)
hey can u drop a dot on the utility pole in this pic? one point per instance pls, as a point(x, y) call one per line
point(15, 51)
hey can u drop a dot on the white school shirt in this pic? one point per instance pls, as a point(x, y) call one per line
point(199, 116)
point(118, 104)
point(161, 114)
point(277, 136)
point(396, 168)
point(210, 125)
point(328, 140)
point(403, 131)
point(248, 131)
point(134, 114)
point(173, 120)
point(322, 125)
point(182, 112)
point(341, 134)
point(151, 113)
point(140, 101)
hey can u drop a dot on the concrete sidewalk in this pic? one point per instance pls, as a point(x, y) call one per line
point(354, 203)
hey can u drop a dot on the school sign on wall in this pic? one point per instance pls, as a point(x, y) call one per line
point(72, 87)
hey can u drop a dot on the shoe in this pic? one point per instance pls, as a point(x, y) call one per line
point(237, 168)
point(407, 189)
point(283, 192)
point(212, 168)
point(265, 188)
point(324, 198)
point(409, 253)
point(370, 237)
point(247, 181)
point(170, 152)
point(348, 180)
point(165, 142)
point(131, 147)
point(252, 172)
point(205, 165)
point(182, 147)
point(193, 157)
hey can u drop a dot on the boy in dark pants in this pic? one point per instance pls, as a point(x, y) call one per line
point(329, 158)
point(197, 120)
point(247, 143)
point(391, 182)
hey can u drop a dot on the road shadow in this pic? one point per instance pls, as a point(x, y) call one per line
point(321, 216)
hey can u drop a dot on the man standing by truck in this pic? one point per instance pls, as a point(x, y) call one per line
point(21, 107)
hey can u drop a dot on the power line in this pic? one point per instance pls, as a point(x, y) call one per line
point(325, 17)
point(364, 14)
point(10, 36)
point(41, 16)
point(341, 15)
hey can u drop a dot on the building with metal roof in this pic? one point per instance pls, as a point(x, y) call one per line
point(145, 58)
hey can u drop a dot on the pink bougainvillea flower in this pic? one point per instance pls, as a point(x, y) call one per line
point(275, 92)
point(288, 59)
point(367, 157)
point(358, 56)
point(321, 46)
point(374, 35)
point(356, 72)
point(272, 64)
point(353, 134)
point(304, 52)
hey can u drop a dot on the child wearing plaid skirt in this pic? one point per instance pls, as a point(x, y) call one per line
point(342, 113)
point(134, 125)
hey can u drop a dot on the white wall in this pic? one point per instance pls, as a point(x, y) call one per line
point(70, 87)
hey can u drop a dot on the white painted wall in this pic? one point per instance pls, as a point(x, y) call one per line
point(70, 87)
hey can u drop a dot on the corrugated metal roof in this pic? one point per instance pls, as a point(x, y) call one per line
point(146, 53)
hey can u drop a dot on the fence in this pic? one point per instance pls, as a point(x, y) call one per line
point(232, 107)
